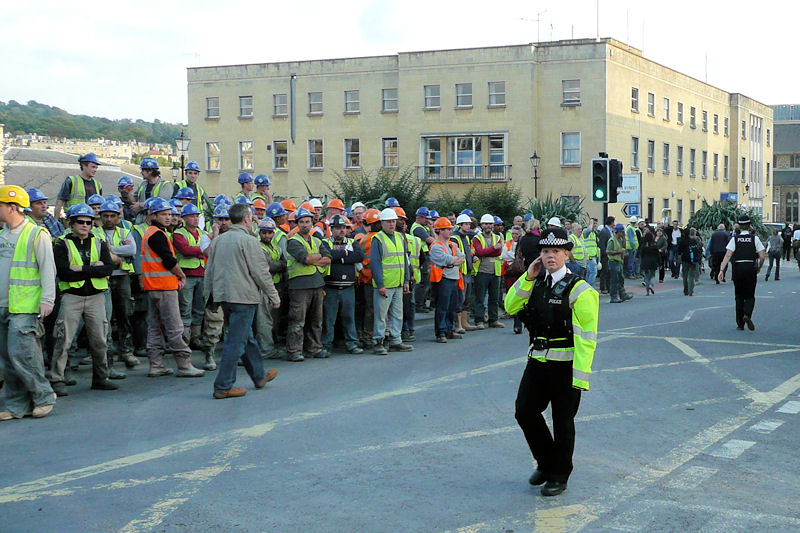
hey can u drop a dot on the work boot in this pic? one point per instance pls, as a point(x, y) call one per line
point(401, 347)
point(496, 325)
point(130, 360)
point(41, 411)
point(209, 363)
point(379, 349)
point(454, 335)
point(140, 352)
point(157, 368)
point(186, 369)
point(115, 374)
point(103, 385)
point(195, 343)
point(59, 388)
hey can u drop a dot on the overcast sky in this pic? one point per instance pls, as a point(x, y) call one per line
point(128, 59)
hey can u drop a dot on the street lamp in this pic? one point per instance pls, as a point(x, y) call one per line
point(535, 164)
point(175, 169)
point(182, 144)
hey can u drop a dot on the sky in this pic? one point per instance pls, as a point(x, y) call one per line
point(125, 59)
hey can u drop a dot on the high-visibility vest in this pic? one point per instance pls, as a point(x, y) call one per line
point(324, 228)
point(201, 193)
point(154, 276)
point(504, 266)
point(190, 262)
point(240, 195)
point(75, 258)
point(279, 235)
point(414, 248)
point(142, 190)
point(578, 249)
point(274, 253)
point(437, 272)
point(125, 224)
point(140, 229)
point(127, 264)
point(365, 276)
point(77, 194)
point(629, 244)
point(24, 279)
point(424, 244)
point(392, 260)
point(590, 242)
point(295, 267)
point(460, 243)
point(495, 260)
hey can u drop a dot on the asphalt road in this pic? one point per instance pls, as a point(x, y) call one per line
point(690, 425)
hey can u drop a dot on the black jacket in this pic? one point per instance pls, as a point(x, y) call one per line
point(61, 257)
point(343, 263)
point(528, 246)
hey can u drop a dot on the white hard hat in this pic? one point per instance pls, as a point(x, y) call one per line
point(388, 214)
point(462, 219)
point(357, 204)
point(634, 219)
point(315, 202)
point(487, 219)
point(555, 221)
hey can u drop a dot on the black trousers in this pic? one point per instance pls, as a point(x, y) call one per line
point(744, 285)
point(716, 263)
point(546, 383)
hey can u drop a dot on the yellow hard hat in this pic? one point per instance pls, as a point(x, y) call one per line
point(14, 194)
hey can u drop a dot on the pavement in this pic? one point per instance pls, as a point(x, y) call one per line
point(690, 425)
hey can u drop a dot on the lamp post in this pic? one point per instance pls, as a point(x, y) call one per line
point(535, 164)
point(175, 169)
point(182, 144)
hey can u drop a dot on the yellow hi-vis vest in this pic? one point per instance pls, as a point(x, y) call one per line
point(24, 279)
point(392, 260)
point(99, 232)
point(460, 243)
point(629, 244)
point(295, 267)
point(497, 264)
point(424, 244)
point(100, 284)
point(199, 197)
point(77, 193)
point(190, 262)
point(274, 253)
point(578, 249)
point(590, 242)
point(414, 248)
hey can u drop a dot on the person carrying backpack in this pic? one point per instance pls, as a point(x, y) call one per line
point(691, 254)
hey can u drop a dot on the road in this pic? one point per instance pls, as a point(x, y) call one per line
point(690, 425)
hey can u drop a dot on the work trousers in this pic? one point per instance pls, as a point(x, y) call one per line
point(689, 273)
point(21, 363)
point(305, 321)
point(486, 282)
point(388, 310)
point(787, 250)
point(744, 288)
point(240, 319)
point(92, 311)
point(447, 295)
point(543, 383)
point(340, 303)
point(604, 273)
point(263, 328)
point(165, 329)
point(120, 289)
point(716, 263)
point(366, 315)
point(409, 311)
point(139, 318)
point(466, 296)
point(615, 280)
point(423, 288)
point(191, 301)
point(591, 271)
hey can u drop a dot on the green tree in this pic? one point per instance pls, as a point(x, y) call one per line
point(373, 187)
point(707, 218)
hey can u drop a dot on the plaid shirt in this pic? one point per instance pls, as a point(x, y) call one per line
point(55, 227)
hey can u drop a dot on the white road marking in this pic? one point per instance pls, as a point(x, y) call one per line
point(792, 408)
point(733, 448)
point(766, 426)
point(690, 478)
point(749, 391)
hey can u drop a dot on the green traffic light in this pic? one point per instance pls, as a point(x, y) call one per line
point(598, 193)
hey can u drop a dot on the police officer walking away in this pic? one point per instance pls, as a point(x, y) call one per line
point(560, 311)
point(744, 249)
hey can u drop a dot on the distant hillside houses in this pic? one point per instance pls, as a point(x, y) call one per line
point(120, 152)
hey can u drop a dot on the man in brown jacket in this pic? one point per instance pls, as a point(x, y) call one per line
point(237, 273)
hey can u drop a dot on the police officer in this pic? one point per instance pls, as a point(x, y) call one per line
point(560, 311)
point(744, 249)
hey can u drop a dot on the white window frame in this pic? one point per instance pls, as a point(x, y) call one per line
point(277, 156)
point(252, 155)
point(280, 109)
point(634, 152)
point(704, 164)
point(572, 152)
point(665, 158)
point(461, 97)
point(571, 92)
point(744, 168)
point(635, 99)
point(352, 103)
point(705, 120)
point(497, 168)
point(679, 161)
point(497, 94)
point(725, 163)
point(715, 166)
point(427, 152)
point(726, 123)
point(693, 117)
point(651, 155)
point(666, 109)
point(715, 124)
point(651, 104)
point(210, 167)
point(387, 99)
point(386, 156)
point(428, 102)
point(680, 113)
point(312, 154)
point(243, 107)
point(350, 163)
point(744, 130)
point(315, 107)
point(209, 107)
point(692, 162)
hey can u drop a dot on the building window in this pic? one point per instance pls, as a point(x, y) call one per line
point(679, 161)
point(692, 203)
point(245, 107)
point(666, 108)
point(212, 107)
point(744, 166)
point(716, 166)
point(665, 149)
point(680, 210)
point(692, 161)
point(432, 98)
point(570, 92)
point(570, 148)
point(351, 102)
point(767, 174)
point(634, 99)
point(467, 154)
point(651, 156)
point(246, 155)
point(725, 167)
point(705, 120)
point(389, 98)
point(389, 157)
point(692, 117)
point(634, 152)
point(315, 154)
point(680, 112)
point(767, 137)
point(497, 94)
point(212, 156)
point(463, 95)
point(352, 153)
point(280, 155)
point(726, 126)
point(497, 156)
point(716, 124)
point(794, 161)
point(704, 164)
point(744, 130)
point(651, 104)
point(280, 105)
point(315, 103)
point(433, 156)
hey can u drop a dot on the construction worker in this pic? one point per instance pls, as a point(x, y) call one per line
point(126, 194)
point(364, 309)
point(577, 262)
point(83, 264)
point(463, 239)
point(335, 207)
point(631, 248)
point(488, 248)
point(420, 229)
point(40, 216)
point(746, 252)
point(278, 214)
point(27, 293)
point(560, 311)
point(357, 211)
point(162, 278)
point(247, 183)
point(590, 242)
point(79, 188)
point(415, 258)
point(213, 317)
point(154, 185)
point(268, 317)
point(446, 280)
point(262, 183)
point(316, 209)
point(200, 199)
point(187, 196)
point(192, 261)
point(259, 210)
point(95, 201)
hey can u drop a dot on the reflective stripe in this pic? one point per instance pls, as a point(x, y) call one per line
point(553, 354)
point(580, 375)
point(24, 279)
point(295, 267)
point(518, 291)
point(74, 256)
point(190, 262)
point(577, 290)
point(496, 260)
point(153, 268)
point(585, 335)
point(392, 259)
point(77, 192)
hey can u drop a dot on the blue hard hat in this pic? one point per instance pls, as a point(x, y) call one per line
point(109, 205)
point(302, 212)
point(245, 177)
point(159, 204)
point(275, 209)
point(423, 212)
point(433, 214)
point(89, 158)
point(262, 179)
point(96, 199)
point(148, 162)
point(174, 211)
point(35, 195)
point(392, 202)
point(114, 198)
point(267, 223)
point(189, 209)
point(192, 165)
point(243, 200)
point(222, 198)
point(80, 210)
point(185, 193)
point(221, 211)
point(175, 202)
point(527, 217)
point(498, 220)
point(124, 181)
point(619, 227)
point(467, 212)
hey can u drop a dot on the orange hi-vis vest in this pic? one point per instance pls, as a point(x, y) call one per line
point(324, 228)
point(437, 272)
point(154, 276)
point(365, 276)
point(503, 268)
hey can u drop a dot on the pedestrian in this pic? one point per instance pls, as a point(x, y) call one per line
point(511, 263)
point(561, 312)
point(213, 317)
point(774, 252)
point(631, 248)
point(673, 234)
point(744, 251)
point(463, 239)
point(446, 281)
point(662, 243)
point(603, 236)
point(79, 188)
point(716, 247)
point(615, 250)
point(27, 294)
point(192, 261)
point(651, 261)
point(691, 254)
point(786, 233)
point(488, 247)
point(236, 277)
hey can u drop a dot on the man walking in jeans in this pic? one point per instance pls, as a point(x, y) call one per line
point(674, 257)
point(237, 274)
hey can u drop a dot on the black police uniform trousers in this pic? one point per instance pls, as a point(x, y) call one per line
point(744, 285)
point(543, 383)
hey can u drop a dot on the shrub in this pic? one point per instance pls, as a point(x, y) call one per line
point(373, 187)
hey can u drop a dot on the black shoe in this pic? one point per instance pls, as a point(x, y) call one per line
point(627, 297)
point(616, 301)
point(537, 478)
point(749, 322)
point(104, 385)
point(554, 488)
point(740, 328)
point(517, 331)
point(59, 388)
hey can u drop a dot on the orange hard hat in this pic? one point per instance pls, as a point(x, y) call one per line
point(336, 204)
point(288, 205)
point(400, 212)
point(371, 216)
point(308, 206)
point(258, 203)
point(442, 223)
point(290, 217)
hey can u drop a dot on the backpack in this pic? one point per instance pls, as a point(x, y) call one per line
point(695, 252)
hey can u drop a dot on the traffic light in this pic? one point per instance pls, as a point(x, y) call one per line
point(614, 179)
point(600, 175)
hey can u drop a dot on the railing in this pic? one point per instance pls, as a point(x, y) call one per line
point(464, 173)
